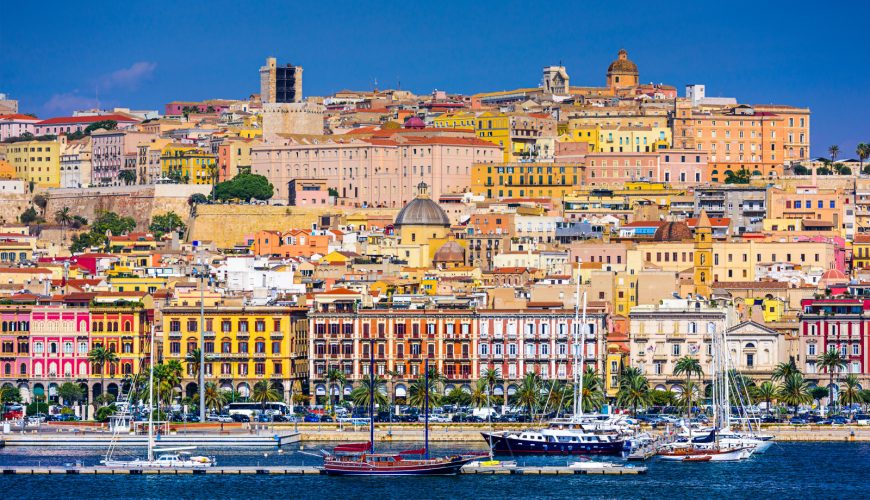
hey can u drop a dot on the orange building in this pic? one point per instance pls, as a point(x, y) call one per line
point(760, 139)
point(492, 223)
point(819, 208)
point(293, 243)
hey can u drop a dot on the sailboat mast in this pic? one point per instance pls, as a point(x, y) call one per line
point(582, 352)
point(426, 410)
point(372, 394)
point(151, 398)
point(576, 347)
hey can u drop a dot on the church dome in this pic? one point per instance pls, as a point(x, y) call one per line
point(415, 122)
point(450, 252)
point(673, 231)
point(622, 64)
point(422, 211)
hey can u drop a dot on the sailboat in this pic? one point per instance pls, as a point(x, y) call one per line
point(360, 459)
point(492, 464)
point(713, 447)
point(177, 457)
point(574, 436)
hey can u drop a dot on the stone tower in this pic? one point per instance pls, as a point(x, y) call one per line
point(703, 256)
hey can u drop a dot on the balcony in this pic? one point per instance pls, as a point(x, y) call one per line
point(276, 335)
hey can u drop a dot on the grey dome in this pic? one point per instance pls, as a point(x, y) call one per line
point(422, 211)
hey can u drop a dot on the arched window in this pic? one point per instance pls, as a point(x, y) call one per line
point(711, 327)
point(128, 327)
point(693, 327)
point(7, 369)
point(23, 369)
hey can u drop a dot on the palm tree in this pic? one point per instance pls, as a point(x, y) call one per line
point(832, 361)
point(850, 394)
point(64, 218)
point(633, 390)
point(529, 392)
point(863, 152)
point(335, 377)
point(215, 398)
point(766, 392)
point(834, 151)
point(418, 390)
point(794, 391)
point(361, 394)
point(783, 370)
point(592, 394)
point(100, 356)
point(688, 366)
point(192, 360)
point(479, 394)
point(265, 392)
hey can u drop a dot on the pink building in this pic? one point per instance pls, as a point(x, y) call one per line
point(59, 348)
point(15, 347)
point(596, 251)
point(619, 168)
point(111, 150)
point(374, 171)
point(70, 124)
point(16, 125)
point(683, 167)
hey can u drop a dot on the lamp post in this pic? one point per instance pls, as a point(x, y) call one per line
point(200, 261)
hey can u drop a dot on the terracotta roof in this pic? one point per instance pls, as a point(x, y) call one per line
point(339, 291)
point(86, 119)
point(24, 270)
point(18, 116)
point(714, 221)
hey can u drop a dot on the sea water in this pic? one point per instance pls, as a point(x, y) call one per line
point(787, 470)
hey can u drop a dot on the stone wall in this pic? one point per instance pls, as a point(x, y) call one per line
point(139, 202)
point(11, 206)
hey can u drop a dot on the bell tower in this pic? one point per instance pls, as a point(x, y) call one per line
point(703, 277)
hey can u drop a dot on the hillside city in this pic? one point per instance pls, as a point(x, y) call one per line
point(283, 245)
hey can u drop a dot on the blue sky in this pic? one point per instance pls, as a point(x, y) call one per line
point(58, 56)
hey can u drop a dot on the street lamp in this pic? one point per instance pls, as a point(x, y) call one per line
point(201, 262)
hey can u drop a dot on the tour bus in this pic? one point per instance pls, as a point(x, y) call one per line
point(253, 409)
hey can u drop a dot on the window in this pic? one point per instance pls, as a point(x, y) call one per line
point(675, 349)
point(750, 360)
point(811, 349)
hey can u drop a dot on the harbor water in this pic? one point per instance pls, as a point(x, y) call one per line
point(788, 470)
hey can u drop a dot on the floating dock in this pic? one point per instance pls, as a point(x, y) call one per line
point(300, 470)
point(210, 440)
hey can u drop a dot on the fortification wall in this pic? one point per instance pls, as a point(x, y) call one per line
point(139, 202)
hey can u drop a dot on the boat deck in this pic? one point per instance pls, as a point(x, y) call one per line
point(300, 470)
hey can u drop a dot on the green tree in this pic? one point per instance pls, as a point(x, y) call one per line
point(818, 393)
point(37, 407)
point(850, 394)
point(215, 398)
point(742, 176)
point(64, 218)
point(457, 397)
point(102, 358)
point(29, 216)
point(265, 392)
point(766, 392)
point(128, 176)
point(244, 187)
point(104, 413)
point(801, 170)
point(70, 393)
point(335, 379)
point(528, 395)
point(592, 393)
point(418, 390)
point(102, 124)
point(863, 152)
point(834, 151)
point(192, 359)
point(10, 394)
point(689, 367)
point(479, 394)
point(782, 370)
point(104, 223)
point(833, 362)
point(166, 223)
point(633, 391)
point(361, 394)
point(794, 391)
point(196, 199)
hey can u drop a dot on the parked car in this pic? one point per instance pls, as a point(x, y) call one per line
point(240, 418)
point(312, 417)
point(836, 420)
point(769, 419)
point(327, 418)
point(862, 419)
point(798, 421)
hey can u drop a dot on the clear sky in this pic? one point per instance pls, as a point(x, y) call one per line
point(58, 56)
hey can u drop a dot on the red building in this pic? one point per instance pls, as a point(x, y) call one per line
point(835, 323)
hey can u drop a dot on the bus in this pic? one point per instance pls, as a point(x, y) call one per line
point(253, 409)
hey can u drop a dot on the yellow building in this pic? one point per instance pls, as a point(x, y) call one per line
point(495, 128)
point(243, 345)
point(463, 120)
point(551, 180)
point(36, 161)
point(188, 164)
point(861, 252)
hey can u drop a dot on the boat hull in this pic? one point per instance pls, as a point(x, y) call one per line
point(437, 468)
point(507, 444)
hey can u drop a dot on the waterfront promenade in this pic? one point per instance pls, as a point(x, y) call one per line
point(271, 435)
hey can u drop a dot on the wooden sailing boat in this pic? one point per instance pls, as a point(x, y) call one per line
point(360, 459)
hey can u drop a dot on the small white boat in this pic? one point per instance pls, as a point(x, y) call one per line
point(491, 465)
point(182, 460)
point(685, 452)
point(592, 465)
